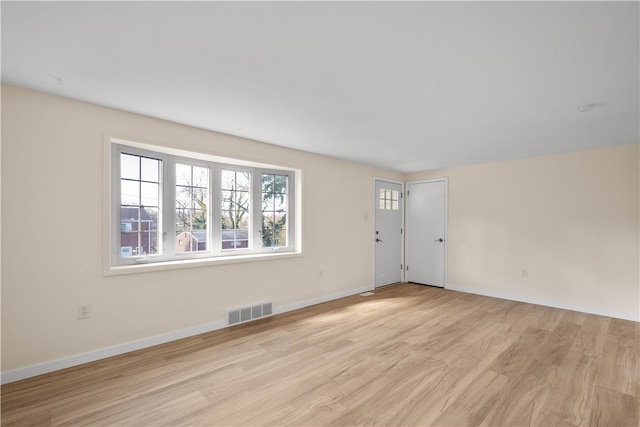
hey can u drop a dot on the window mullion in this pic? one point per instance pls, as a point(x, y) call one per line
point(168, 208)
point(215, 196)
point(116, 211)
point(291, 211)
point(256, 211)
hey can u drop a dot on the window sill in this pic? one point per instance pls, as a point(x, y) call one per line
point(195, 263)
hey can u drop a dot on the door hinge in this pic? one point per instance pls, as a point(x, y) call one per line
point(407, 193)
point(401, 195)
point(401, 231)
point(407, 268)
point(400, 266)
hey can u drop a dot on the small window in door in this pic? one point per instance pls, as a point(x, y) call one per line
point(388, 199)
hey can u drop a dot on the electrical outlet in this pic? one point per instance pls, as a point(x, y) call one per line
point(84, 311)
point(525, 273)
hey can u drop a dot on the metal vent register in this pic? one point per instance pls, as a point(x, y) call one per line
point(246, 314)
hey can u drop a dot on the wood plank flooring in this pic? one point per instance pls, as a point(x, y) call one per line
point(407, 356)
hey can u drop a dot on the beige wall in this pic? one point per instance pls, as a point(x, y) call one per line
point(571, 219)
point(52, 225)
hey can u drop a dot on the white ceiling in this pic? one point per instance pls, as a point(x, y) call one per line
point(405, 85)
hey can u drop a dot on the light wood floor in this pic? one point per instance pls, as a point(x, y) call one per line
point(409, 355)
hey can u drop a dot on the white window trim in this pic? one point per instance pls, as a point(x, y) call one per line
point(112, 262)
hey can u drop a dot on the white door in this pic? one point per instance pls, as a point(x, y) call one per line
point(426, 232)
point(388, 233)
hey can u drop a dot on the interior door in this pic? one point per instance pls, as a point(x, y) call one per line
point(426, 232)
point(388, 233)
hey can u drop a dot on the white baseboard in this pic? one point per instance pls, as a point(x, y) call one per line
point(319, 300)
point(547, 303)
point(91, 356)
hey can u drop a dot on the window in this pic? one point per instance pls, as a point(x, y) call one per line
point(139, 205)
point(192, 202)
point(235, 209)
point(388, 199)
point(274, 209)
point(172, 206)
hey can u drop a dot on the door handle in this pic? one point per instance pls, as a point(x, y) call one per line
point(439, 240)
point(378, 240)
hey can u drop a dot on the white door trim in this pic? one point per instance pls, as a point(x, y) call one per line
point(373, 226)
point(446, 222)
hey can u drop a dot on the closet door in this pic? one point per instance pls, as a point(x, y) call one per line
point(427, 232)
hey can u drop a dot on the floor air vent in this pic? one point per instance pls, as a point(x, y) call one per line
point(252, 312)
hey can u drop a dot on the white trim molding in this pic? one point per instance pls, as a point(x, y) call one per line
point(544, 302)
point(320, 300)
point(92, 356)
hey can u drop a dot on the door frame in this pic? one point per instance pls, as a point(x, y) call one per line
point(407, 228)
point(373, 227)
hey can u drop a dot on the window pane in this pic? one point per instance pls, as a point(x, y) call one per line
point(268, 204)
point(183, 174)
point(129, 192)
point(227, 223)
point(242, 181)
point(149, 216)
point(128, 243)
point(129, 166)
point(200, 177)
point(148, 243)
point(183, 197)
point(235, 239)
point(280, 203)
point(149, 194)
point(388, 199)
point(153, 242)
point(130, 214)
point(241, 219)
point(183, 220)
point(228, 180)
point(200, 197)
point(241, 200)
point(280, 184)
point(242, 240)
point(139, 205)
point(227, 199)
point(150, 170)
point(274, 210)
point(192, 202)
point(235, 205)
point(267, 183)
point(139, 236)
point(199, 221)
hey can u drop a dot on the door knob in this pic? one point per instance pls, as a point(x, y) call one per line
point(439, 240)
point(378, 240)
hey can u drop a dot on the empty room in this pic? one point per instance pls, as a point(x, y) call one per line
point(320, 213)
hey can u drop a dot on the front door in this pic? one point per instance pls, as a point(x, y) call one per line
point(388, 233)
point(426, 232)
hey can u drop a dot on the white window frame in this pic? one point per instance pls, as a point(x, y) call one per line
point(218, 212)
point(168, 258)
point(257, 210)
